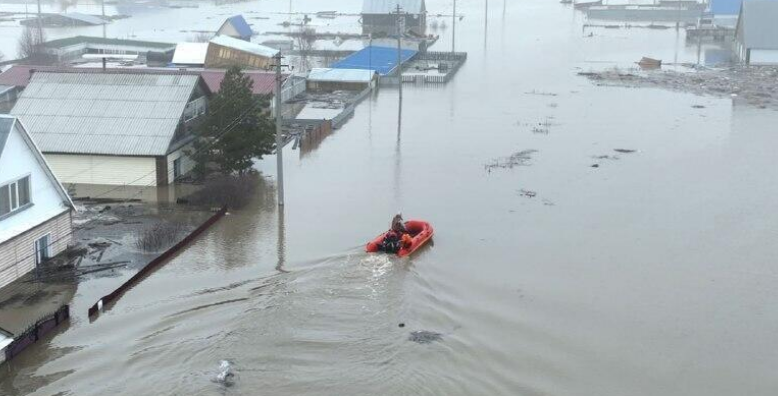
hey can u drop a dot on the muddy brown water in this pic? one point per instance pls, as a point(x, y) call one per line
point(651, 274)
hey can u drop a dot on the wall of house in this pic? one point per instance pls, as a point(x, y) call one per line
point(228, 30)
point(223, 57)
point(764, 57)
point(17, 161)
point(187, 164)
point(17, 256)
point(103, 169)
point(329, 86)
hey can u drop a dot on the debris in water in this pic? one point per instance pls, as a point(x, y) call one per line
point(527, 193)
point(425, 337)
point(225, 374)
point(401, 325)
point(596, 166)
point(540, 93)
point(698, 106)
point(606, 157)
point(521, 158)
point(624, 151)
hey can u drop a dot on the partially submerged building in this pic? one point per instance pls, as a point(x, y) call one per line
point(225, 51)
point(73, 48)
point(328, 79)
point(35, 210)
point(382, 60)
point(379, 17)
point(116, 127)
point(756, 34)
point(236, 27)
point(69, 19)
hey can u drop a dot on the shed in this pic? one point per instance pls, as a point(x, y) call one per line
point(381, 59)
point(116, 127)
point(190, 54)
point(71, 48)
point(236, 27)
point(69, 19)
point(328, 79)
point(225, 51)
point(756, 34)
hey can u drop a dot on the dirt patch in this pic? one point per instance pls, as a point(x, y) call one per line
point(756, 86)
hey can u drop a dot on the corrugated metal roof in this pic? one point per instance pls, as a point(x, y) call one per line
point(240, 25)
point(381, 59)
point(758, 19)
point(341, 75)
point(390, 6)
point(264, 83)
point(104, 113)
point(190, 53)
point(245, 46)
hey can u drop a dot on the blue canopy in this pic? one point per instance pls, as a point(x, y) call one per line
point(381, 59)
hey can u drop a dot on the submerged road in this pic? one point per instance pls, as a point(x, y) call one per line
point(570, 268)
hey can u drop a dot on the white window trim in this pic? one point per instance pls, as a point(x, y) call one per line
point(18, 206)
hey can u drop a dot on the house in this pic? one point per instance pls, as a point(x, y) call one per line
point(328, 80)
point(756, 34)
point(115, 127)
point(73, 48)
point(381, 59)
point(190, 54)
point(379, 17)
point(225, 51)
point(236, 27)
point(35, 210)
point(65, 19)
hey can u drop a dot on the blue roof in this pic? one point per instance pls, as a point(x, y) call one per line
point(725, 7)
point(381, 59)
point(241, 25)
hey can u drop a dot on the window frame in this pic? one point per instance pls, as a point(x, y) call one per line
point(14, 203)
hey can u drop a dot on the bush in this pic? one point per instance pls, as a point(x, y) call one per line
point(159, 236)
point(233, 192)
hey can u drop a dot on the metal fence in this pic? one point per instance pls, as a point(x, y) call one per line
point(348, 111)
point(34, 333)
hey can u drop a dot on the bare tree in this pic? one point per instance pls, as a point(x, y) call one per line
point(31, 42)
point(200, 37)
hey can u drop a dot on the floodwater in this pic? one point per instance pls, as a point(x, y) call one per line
point(651, 274)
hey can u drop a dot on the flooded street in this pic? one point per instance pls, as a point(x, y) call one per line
point(651, 273)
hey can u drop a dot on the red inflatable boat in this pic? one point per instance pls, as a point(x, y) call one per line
point(420, 232)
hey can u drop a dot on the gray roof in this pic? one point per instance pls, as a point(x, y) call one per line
point(390, 6)
point(759, 27)
point(111, 113)
point(86, 18)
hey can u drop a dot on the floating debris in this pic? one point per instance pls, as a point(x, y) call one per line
point(527, 193)
point(521, 158)
point(425, 337)
point(540, 93)
point(698, 106)
point(225, 374)
point(624, 151)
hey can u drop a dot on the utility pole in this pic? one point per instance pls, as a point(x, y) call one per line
point(102, 5)
point(400, 33)
point(486, 23)
point(40, 26)
point(279, 131)
point(454, 29)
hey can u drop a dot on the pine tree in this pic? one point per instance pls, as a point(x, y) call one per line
point(236, 129)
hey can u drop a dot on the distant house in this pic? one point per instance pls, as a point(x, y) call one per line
point(379, 16)
point(225, 51)
point(73, 48)
point(756, 34)
point(116, 127)
point(236, 27)
point(327, 80)
point(70, 19)
point(35, 211)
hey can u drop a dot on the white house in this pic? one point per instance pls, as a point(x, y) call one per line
point(756, 35)
point(117, 127)
point(35, 211)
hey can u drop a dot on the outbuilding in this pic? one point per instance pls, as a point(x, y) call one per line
point(379, 17)
point(236, 27)
point(225, 51)
point(116, 127)
point(756, 35)
point(327, 80)
point(35, 210)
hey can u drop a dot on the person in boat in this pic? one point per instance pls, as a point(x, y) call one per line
point(397, 237)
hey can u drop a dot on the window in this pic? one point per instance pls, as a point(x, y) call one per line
point(15, 195)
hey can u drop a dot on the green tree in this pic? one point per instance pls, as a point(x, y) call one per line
point(236, 130)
